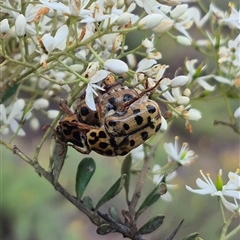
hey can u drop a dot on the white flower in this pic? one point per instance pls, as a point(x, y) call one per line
point(233, 19)
point(90, 90)
point(58, 41)
point(137, 154)
point(231, 189)
point(9, 115)
point(157, 178)
point(201, 80)
point(182, 156)
point(179, 81)
point(116, 66)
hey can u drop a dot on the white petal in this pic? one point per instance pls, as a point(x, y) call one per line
point(21, 25)
point(14, 126)
point(89, 99)
point(199, 191)
point(99, 76)
point(16, 109)
point(150, 21)
point(48, 42)
point(237, 113)
point(60, 36)
point(3, 116)
point(179, 81)
point(205, 85)
point(178, 11)
point(164, 124)
point(57, 6)
point(222, 79)
point(116, 66)
point(145, 64)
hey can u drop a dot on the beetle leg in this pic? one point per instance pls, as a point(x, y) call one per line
point(87, 151)
point(65, 108)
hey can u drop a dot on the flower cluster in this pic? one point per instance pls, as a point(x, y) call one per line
point(75, 44)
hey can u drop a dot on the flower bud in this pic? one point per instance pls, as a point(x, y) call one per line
point(52, 114)
point(178, 11)
point(4, 28)
point(184, 40)
point(21, 26)
point(192, 114)
point(116, 66)
point(150, 21)
point(124, 18)
point(163, 26)
point(41, 103)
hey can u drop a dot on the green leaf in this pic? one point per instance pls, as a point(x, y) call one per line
point(86, 169)
point(8, 93)
point(57, 160)
point(175, 231)
point(151, 198)
point(88, 203)
point(192, 236)
point(152, 224)
point(125, 169)
point(104, 229)
point(113, 191)
point(113, 212)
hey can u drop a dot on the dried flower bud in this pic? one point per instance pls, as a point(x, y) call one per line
point(4, 28)
point(21, 26)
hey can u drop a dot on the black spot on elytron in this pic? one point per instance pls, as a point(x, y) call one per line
point(93, 141)
point(96, 115)
point(126, 126)
point(158, 127)
point(93, 134)
point(84, 111)
point(151, 109)
point(113, 142)
point(135, 111)
point(109, 152)
point(103, 145)
point(150, 122)
point(112, 123)
point(127, 97)
point(76, 136)
point(123, 153)
point(111, 100)
point(144, 135)
point(138, 120)
point(110, 107)
point(102, 134)
point(132, 143)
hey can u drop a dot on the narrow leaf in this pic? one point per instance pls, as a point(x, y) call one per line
point(150, 199)
point(113, 191)
point(152, 224)
point(8, 93)
point(104, 229)
point(192, 236)
point(88, 203)
point(86, 169)
point(126, 166)
point(175, 231)
point(113, 212)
